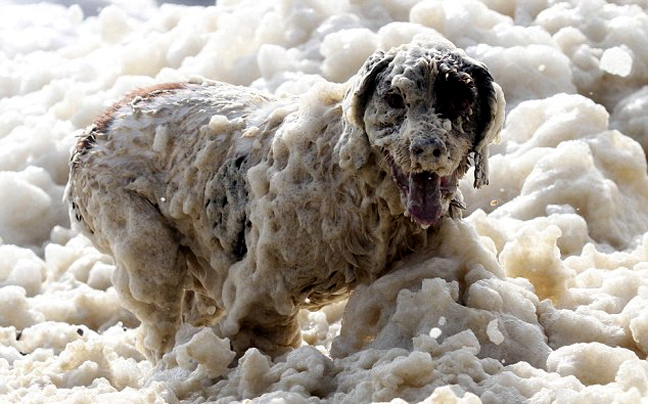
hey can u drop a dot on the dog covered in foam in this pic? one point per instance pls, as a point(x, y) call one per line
point(226, 207)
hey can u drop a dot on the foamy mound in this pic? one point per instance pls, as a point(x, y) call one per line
point(540, 294)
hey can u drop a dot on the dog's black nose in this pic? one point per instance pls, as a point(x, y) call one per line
point(424, 148)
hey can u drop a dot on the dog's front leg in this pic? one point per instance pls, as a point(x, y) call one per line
point(259, 314)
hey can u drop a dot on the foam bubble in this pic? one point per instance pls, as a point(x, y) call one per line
point(617, 60)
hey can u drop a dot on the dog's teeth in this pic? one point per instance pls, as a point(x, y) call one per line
point(425, 226)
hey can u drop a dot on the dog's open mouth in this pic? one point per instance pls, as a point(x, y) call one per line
point(424, 194)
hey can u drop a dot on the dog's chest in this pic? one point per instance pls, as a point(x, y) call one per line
point(324, 230)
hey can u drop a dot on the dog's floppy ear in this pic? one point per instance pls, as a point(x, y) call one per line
point(490, 120)
point(353, 146)
point(363, 85)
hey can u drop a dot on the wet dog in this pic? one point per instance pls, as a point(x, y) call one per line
point(227, 207)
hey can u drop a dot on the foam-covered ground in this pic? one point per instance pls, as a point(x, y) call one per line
point(540, 295)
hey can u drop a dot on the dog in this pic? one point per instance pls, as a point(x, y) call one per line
point(227, 207)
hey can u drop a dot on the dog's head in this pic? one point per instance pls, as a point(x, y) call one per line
point(430, 110)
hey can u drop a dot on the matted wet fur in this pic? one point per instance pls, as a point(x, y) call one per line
point(227, 207)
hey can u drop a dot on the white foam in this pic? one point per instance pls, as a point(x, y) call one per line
point(540, 294)
point(617, 60)
point(494, 334)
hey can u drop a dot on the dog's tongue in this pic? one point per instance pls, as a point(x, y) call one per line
point(424, 200)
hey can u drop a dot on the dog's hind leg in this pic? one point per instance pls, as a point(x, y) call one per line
point(151, 266)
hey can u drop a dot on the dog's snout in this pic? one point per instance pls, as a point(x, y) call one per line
point(427, 148)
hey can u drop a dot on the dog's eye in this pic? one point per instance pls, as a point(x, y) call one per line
point(395, 101)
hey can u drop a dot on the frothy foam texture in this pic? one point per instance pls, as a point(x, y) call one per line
point(538, 295)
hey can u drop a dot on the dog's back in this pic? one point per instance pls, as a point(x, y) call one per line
point(164, 144)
